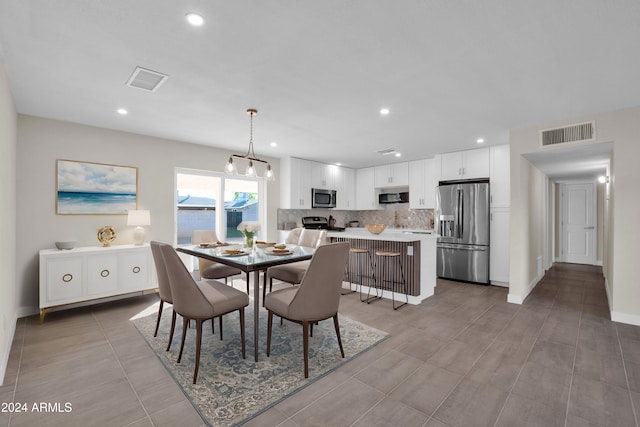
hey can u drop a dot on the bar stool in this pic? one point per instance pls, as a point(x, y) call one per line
point(391, 258)
point(360, 260)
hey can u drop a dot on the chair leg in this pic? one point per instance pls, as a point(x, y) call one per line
point(184, 334)
point(244, 356)
point(248, 293)
point(264, 291)
point(155, 334)
point(213, 326)
point(305, 345)
point(220, 322)
point(198, 346)
point(269, 328)
point(337, 326)
point(173, 327)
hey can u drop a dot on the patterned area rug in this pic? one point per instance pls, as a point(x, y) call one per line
point(231, 390)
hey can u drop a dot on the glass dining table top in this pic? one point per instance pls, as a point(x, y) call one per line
point(249, 259)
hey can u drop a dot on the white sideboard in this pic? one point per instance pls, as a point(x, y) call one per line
point(90, 273)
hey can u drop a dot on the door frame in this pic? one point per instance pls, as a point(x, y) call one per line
point(594, 243)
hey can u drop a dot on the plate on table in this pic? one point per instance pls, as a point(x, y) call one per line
point(278, 251)
point(233, 252)
point(212, 244)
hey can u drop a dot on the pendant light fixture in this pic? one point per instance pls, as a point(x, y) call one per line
point(230, 167)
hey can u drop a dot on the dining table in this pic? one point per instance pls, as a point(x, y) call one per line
point(253, 260)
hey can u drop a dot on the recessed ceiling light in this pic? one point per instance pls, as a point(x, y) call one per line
point(480, 140)
point(384, 111)
point(338, 164)
point(122, 111)
point(398, 154)
point(273, 144)
point(194, 19)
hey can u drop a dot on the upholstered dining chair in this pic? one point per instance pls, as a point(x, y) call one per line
point(210, 269)
point(293, 272)
point(200, 301)
point(164, 290)
point(316, 299)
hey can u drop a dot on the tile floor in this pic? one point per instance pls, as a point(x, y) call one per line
point(464, 357)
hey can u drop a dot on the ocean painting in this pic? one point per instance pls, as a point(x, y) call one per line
point(95, 188)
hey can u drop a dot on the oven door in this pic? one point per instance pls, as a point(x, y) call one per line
point(323, 198)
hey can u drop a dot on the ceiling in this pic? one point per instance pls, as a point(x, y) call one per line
point(319, 71)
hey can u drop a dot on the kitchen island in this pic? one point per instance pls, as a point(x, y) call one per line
point(418, 249)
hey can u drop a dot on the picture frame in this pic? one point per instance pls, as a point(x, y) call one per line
point(87, 188)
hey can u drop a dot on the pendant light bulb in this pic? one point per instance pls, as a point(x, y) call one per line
point(269, 176)
point(230, 168)
point(251, 170)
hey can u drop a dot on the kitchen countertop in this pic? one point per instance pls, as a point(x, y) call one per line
point(389, 234)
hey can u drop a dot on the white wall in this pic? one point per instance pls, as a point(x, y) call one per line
point(620, 263)
point(42, 141)
point(8, 302)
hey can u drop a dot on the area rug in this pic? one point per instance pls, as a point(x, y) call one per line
point(231, 390)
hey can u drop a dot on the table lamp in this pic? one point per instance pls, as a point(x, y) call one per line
point(138, 218)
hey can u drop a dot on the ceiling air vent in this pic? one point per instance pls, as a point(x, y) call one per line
point(386, 151)
point(575, 133)
point(146, 79)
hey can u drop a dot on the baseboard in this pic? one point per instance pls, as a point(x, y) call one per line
point(519, 299)
point(598, 263)
point(630, 319)
point(7, 346)
point(606, 289)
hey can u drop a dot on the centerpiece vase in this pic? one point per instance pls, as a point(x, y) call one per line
point(248, 239)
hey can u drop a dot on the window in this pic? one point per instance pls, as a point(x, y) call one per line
point(197, 202)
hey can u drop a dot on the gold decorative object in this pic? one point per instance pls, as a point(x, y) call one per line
point(376, 228)
point(106, 235)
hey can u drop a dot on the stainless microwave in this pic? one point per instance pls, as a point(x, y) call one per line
point(323, 198)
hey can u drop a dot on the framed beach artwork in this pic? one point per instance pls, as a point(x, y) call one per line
point(85, 188)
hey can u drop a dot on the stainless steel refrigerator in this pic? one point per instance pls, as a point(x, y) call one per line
point(462, 221)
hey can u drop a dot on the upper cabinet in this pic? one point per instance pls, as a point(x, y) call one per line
point(422, 184)
point(295, 183)
point(500, 176)
point(324, 176)
point(393, 175)
point(366, 197)
point(346, 188)
point(468, 164)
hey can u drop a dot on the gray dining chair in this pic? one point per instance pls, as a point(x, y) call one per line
point(211, 269)
point(294, 272)
point(316, 299)
point(200, 301)
point(164, 290)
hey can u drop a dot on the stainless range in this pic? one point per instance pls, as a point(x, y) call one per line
point(319, 223)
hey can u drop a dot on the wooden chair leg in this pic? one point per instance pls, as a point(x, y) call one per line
point(173, 327)
point(198, 346)
point(242, 332)
point(155, 334)
point(335, 323)
point(269, 328)
point(213, 326)
point(305, 345)
point(220, 322)
point(185, 322)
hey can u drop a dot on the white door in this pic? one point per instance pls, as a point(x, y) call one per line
point(578, 223)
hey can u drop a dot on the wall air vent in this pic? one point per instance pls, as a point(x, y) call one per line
point(574, 133)
point(142, 78)
point(386, 151)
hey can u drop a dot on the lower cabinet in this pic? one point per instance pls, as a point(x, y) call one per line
point(89, 273)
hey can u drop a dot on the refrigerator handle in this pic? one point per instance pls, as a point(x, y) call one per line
point(460, 214)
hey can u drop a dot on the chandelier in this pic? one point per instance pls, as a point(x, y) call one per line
point(230, 167)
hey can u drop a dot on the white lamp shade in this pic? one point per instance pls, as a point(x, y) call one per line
point(139, 217)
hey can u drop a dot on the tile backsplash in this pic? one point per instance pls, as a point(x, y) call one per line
point(394, 215)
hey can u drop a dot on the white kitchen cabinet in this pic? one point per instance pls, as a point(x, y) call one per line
point(392, 175)
point(366, 195)
point(422, 184)
point(324, 176)
point(499, 241)
point(345, 188)
point(470, 164)
point(295, 183)
point(500, 176)
point(89, 273)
